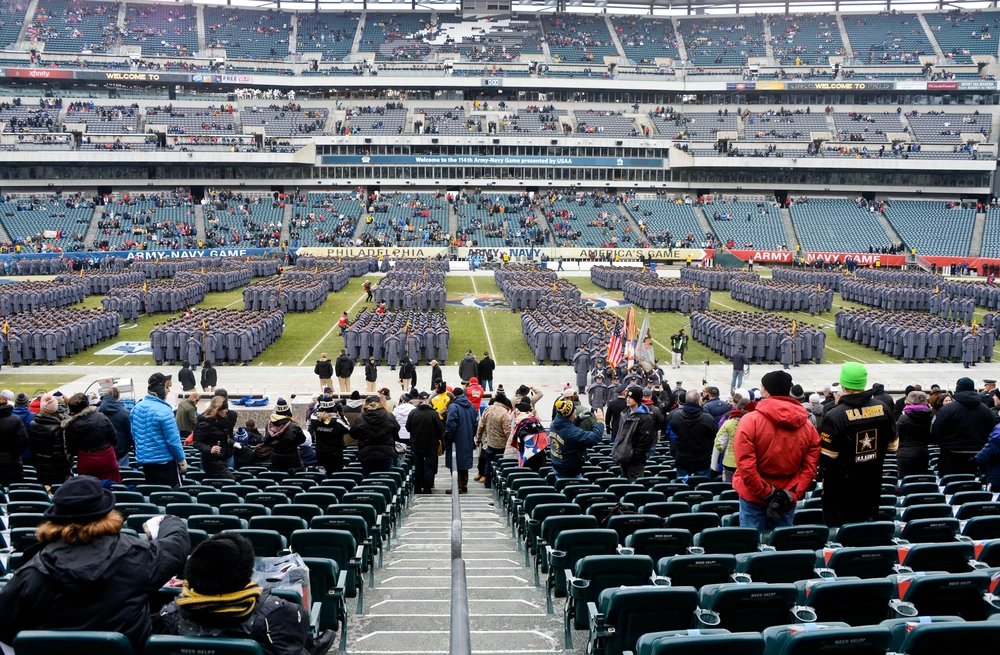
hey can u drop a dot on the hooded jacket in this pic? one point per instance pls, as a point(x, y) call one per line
point(376, 432)
point(568, 445)
point(186, 378)
point(776, 447)
point(694, 431)
point(88, 430)
point(13, 440)
point(45, 437)
point(460, 429)
point(209, 377)
point(914, 429)
point(103, 585)
point(635, 437)
point(878, 392)
point(344, 366)
point(468, 368)
point(118, 415)
point(278, 626)
point(323, 369)
point(426, 429)
point(371, 372)
point(328, 436)
point(964, 424)
point(284, 436)
point(988, 459)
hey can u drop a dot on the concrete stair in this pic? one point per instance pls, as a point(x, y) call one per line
point(28, 15)
point(544, 223)
point(199, 223)
point(286, 221)
point(843, 35)
point(786, 222)
point(92, 229)
point(357, 38)
point(930, 37)
point(408, 610)
point(699, 213)
point(200, 15)
point(615, 39)
point(978, 228)
point(890, 231)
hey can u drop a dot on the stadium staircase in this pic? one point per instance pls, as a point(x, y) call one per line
point(293, 38)
point(978, 228)
point(122, 12)
point(408, 610)
point(199, 223)
point(452, 220)
point(92, 229)
point(843, 34)
point(357, 38)
point(4, 237)
point(768, 46)
point(286, 221)
point(681, 48)
point(27, 22)
point(200, 14)
point(789, 227)
point(632, 223)
point(699, 213)
point(544, 223)
point(889, 229)
point(615, 39)
point(930, 37)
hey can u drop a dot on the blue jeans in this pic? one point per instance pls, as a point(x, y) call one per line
point(487, 384)
point(737, 380)
point(753, 515)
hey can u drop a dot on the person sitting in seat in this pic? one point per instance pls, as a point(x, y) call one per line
point(223, 601)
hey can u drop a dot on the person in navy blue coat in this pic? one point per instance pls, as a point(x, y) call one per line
point(460, 429)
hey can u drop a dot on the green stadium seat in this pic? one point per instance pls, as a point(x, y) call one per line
point(172, 645)
point(593, 574)
point(851, 600)
point(749, 607)
point(622, 615)
point(77, 642)
point(778, 566)
point(825, 638)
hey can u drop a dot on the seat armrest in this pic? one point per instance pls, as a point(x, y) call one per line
point(766, 548)
point(707, 618)
point(596, 618)
point(899, 541)
point(314, 612)
point(741, 578)
point(625, 550)
point(659, 580)
point(976, 565)
point(834, 545)
point(899, 568)
point(341, 583)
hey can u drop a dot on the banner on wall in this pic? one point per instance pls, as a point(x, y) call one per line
point(974, 262)
point(146, 254)
point(788, 257)
point(407, 252)
point(489, 160)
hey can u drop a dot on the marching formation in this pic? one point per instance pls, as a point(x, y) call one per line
point(715, 279)
point(916, 336)
point(411, 285)
point(34, 296)
point(759, 336)
point(658, 294)
point(613, 277)
point(782, 296)
point(825, 279)
point(558, 328)
point(391, 336)
point(154, 297)
point(217, 336)
point(100, 282)
point(527, 287)
point(51, 336)
point(286, 294)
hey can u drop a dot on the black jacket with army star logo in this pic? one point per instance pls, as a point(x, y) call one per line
point(854, 437)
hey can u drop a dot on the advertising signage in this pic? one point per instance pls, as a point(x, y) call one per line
point(490, 160)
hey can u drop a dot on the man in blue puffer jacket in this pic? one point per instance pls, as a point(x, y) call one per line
point(158, 447)
point(569, 442)
point(988, 460)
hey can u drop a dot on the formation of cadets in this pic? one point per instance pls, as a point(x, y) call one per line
point(525, 287)
point(783, 296)
point(335, 277)
point(286, 294)
point(763, 338)
point(825, 279)
point(715, 279)
point(218, 336)
point(154, 297)
point(100, 282)
point(35, 296)
point(51, 336)
point(219, 279)
point(916, 336)
point(557, 328)
point(985, 295)
point(412, 285)
point(356, 266)
point(613, 277)
point(661, 294)
point(391, 336)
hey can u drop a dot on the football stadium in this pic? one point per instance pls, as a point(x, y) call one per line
point(657, 327)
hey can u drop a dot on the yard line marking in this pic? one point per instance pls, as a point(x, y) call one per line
point(482, 315)
point(329, 332)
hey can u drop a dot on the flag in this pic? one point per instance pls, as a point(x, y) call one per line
point(615, 348)
point(145, 287)
point(644, 347)
point(629, 335)
point(81, 271)
point(6, 327)
point(795, 327)
point(937, 288)
point(204, 325)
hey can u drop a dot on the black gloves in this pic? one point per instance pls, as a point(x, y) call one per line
point(779, 503)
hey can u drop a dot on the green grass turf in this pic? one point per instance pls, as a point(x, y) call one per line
point(307, 335)
point(30, 384)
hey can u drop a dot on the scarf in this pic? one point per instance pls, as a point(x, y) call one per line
point(915, 408)
point(274, 430)
point(237, 604)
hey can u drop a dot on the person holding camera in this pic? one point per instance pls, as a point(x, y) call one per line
point(213, 439)
point(777, 453)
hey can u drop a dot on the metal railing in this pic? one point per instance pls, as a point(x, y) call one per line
point(461, 637)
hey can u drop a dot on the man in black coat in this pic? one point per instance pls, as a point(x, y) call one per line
point(961, 429)
point(344, 369)
point(486, 368)
point(693, 431)
point(112, 407)
point(426, 432)
point(324, 371)
point(186, 377)
point(209, 377)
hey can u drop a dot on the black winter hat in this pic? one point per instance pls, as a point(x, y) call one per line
point(777, 383)
point(80, 500)
point(204, 572)
point(635, 393)
point(22, 400)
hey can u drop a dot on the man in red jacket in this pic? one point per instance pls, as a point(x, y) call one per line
point(777, 453)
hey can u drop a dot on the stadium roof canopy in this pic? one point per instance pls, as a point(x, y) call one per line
point(656, 7)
